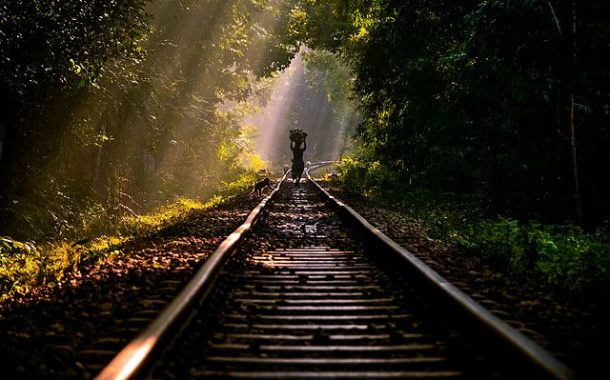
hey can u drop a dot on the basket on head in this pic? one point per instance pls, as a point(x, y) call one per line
point(297, 135)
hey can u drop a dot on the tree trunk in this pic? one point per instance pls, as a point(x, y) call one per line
point(571, 39)
point(574, 163)
point(10, 153)
point(9, 171)
point(568, 34)
point(98, 159)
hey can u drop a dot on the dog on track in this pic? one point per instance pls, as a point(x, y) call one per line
point(260, 186)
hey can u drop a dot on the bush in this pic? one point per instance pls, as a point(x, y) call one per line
point(560, 255)
point(369, 179)
point(563, 255)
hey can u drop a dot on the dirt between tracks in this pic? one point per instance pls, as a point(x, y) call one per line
point(572, 327)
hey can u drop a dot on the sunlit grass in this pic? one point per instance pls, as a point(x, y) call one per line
point(243, 183)
point(146, 224)
point(27, 265)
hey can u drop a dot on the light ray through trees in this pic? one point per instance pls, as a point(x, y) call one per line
point(302, 97)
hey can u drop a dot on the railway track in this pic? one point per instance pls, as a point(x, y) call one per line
point(307, 289)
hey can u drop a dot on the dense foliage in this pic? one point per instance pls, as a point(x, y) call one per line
point(113, 107)
point(477, 97)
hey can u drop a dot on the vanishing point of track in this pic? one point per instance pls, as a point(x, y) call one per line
point(307, 289)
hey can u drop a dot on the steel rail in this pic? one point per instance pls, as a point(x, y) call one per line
point(131, 362)
point(529, 352)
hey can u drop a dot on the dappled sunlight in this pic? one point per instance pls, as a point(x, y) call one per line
point(149, 127)
point(174, 115)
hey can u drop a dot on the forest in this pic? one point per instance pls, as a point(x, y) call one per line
point(487, 121)
point(112, 110)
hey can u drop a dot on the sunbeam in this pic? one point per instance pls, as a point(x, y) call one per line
point(300, 99)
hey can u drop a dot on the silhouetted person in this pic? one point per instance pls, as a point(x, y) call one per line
point(297, 159)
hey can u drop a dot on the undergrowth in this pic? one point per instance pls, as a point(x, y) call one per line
point(27, 264)
point(562, 255)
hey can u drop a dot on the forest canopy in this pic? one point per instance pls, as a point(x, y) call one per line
point(507, 100)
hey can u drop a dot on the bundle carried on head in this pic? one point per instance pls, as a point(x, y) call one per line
point(297, 135)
